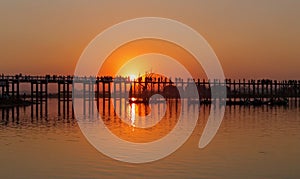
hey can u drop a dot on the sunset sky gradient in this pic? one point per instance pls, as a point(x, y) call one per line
point(253, 39)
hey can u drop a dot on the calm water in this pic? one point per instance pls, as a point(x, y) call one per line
point(252, 142)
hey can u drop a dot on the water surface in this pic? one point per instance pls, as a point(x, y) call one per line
point(252, 142)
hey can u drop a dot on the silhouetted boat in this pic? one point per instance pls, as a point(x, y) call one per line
point(13, 102)
point(278, 102)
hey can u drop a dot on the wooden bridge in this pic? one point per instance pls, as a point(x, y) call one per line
point(119, 87)
point(239, 92)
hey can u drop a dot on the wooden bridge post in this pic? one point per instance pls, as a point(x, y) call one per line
point(125, 87)
point(268, 89)
point(92, 95)
point(115, 89)
point(7, 88)
point(97, 93)
point(228, 86)
point(234, 91)
point(103, 89)
point(182, 85)
point(58, 91)
point(253, 88)
point(158, 85)
point(244, 89)
point(41, 98)
point(58, 96)
point(89, 96)
point(298, 90)
point(271, 89)
point(84, 96)
point(64, 99)
point(258, 89)
point(249, 90)
point(239, 86)
point(18, 88)
point(36, 92)
point(3, 85)
point(109, 89)
point(68, 98)
point(263, 89)
point(46, 98)
point(41, 92)
point(13, 88)
point(31, 91)
point(64, 91)
point(46, 90)
point(276, 92)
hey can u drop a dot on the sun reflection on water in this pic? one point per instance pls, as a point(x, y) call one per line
point(132, 115)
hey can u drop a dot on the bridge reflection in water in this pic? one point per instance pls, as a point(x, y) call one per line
point(104, 107)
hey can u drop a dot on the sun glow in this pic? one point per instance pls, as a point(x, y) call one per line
point(132, 77)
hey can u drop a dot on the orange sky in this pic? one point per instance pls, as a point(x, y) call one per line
point(253, 39)
point(129, 51)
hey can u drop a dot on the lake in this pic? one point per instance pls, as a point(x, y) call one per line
point(252, 142)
